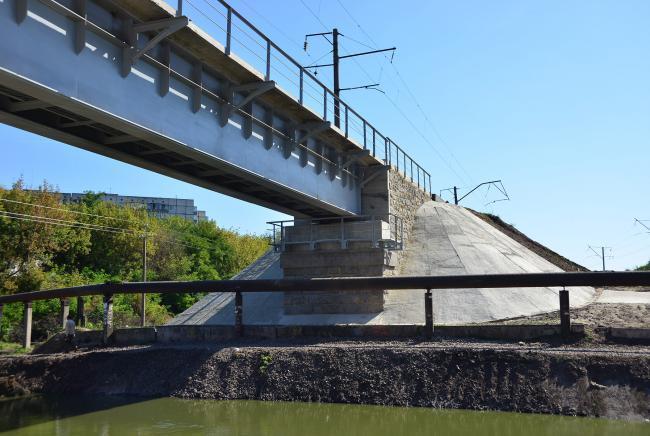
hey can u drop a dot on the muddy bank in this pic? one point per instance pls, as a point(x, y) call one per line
point(525, 379)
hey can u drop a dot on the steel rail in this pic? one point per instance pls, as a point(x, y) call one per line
point(563, 279)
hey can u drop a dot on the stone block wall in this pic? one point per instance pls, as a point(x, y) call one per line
point(388, 192)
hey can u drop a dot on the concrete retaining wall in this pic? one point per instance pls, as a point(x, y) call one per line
point(219, 333)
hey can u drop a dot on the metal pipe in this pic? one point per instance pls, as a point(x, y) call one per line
point(610, 278)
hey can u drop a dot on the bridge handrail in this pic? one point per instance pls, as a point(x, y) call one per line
point(424, 183)
point(415, 283)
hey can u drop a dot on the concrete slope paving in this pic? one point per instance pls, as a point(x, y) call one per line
point(446, 240)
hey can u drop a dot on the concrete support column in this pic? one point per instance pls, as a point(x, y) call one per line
point(64, 311)
point(428, 314)
point(565, 314)
point(108, 318)
point(81, 316)
point(27, 325)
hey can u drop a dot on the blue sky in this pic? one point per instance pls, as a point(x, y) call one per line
point(552, 97)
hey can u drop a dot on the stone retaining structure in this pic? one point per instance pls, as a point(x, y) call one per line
point(389, 192)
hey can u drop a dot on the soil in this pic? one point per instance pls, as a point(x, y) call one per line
point(537, 248)
point(611, 381)
point(597, 315)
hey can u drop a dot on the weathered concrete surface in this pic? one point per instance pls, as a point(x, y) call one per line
point(624, 297)
point(610, 382)
point(446, 239)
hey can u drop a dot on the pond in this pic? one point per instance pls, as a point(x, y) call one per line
point(125, 416)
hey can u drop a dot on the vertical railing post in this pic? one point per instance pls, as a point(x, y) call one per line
point(27, 324)
point(365, 140)
point(428, 314)
point(346, 120)
point(386, 155)
point(268, 60)
point(418, 171)
point(374, 146)
point(411, 170)
point(239, 315)
point(565, 314)
point(282, 239)
point(301, 96)
point(179, 8)
point(81, 316)
point(229, 31)
point(324, 103)
point(107, 321)
point(64, 311)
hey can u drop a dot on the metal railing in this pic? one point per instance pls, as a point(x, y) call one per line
point(415, 283)
point(253, 46)
point(380, 231)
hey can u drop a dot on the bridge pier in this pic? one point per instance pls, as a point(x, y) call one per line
point(108, 318)
point(27, 325)
point(368, 245)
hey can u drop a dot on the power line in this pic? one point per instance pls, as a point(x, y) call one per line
point(411, 94)
point(601, 254)
point(401, 112)
point(61, 209)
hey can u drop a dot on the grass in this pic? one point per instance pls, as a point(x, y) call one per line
point(12, 348)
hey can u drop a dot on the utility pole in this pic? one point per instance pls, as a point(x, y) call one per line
point(336, 59)
point(601, 254)
point(335, 66)
point(498, 184)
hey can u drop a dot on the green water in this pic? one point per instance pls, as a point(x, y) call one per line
point(119, 416)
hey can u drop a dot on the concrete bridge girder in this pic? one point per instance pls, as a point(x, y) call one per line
point(151, 115)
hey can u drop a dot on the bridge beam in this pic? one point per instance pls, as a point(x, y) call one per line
point(254, 90)
point(165, 27)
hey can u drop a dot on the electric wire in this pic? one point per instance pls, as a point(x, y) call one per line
point(408, 89)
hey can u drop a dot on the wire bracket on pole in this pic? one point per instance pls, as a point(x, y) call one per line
point(165, 27)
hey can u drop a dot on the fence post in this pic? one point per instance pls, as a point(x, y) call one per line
point(239, 319)
point(565, 313)
point(64, 311)
point(27, 324)
point(108, 318)
point(2, 306)
point(428, 314)
point(81, 316)
point(179, 8)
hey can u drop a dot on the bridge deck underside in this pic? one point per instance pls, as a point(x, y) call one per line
point(81, 99)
